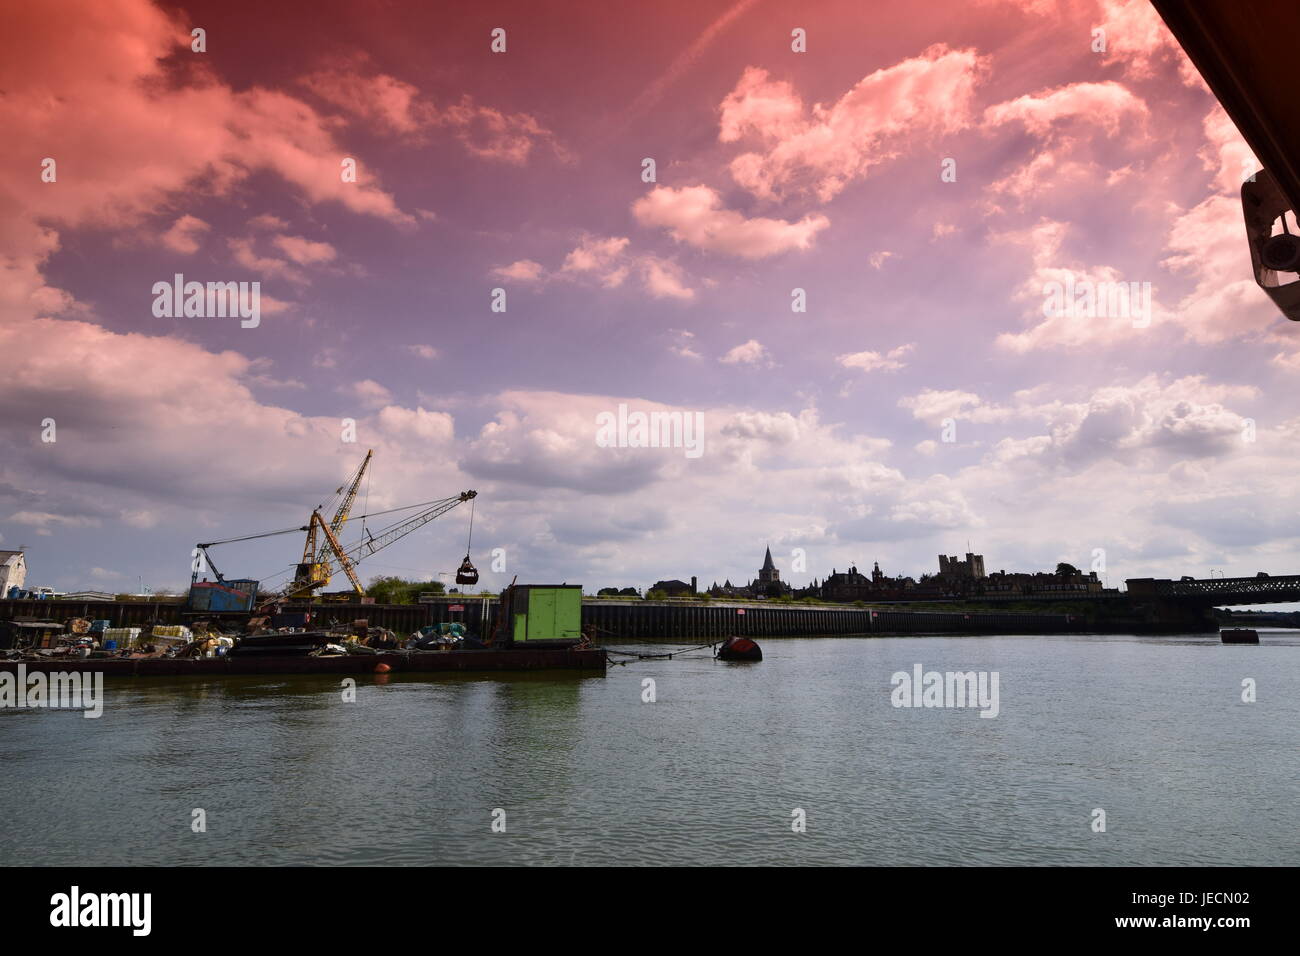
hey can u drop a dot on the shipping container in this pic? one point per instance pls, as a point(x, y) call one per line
point(229, 597)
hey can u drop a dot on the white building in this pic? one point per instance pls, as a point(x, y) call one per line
point(13, 571)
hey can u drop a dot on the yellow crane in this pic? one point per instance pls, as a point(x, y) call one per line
point(315, 569)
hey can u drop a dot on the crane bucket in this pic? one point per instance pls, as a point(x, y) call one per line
point(467, 573)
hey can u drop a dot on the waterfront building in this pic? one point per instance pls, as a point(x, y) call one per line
point(852, 585)
point(675, 588)
point(1041, 582)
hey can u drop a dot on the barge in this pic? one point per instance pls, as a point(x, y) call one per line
point(538, 628)
point(1239, 635)
point(587, 660)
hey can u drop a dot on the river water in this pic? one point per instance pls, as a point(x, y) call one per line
point(1152, 730)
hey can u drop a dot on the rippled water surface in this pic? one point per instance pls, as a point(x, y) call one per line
point(1152, 730)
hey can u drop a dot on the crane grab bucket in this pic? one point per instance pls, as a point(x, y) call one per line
point(467, 573)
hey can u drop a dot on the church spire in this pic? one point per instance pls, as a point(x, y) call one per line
point(767, 561)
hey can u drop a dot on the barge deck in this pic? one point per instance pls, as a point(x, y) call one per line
point(586, 660)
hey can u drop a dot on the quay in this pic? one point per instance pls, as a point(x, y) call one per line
point(1150, 606)
point(606, 617)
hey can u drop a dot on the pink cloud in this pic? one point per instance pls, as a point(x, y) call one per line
point(1138, 39)
point(185, 234)
point(384, 101)
point(1208, 243)
point(1226, 152)
point(88, 91)
point(694, 215)
point(890, 361)
point(524, 270)
point(396, 106)
point(770, 109)
point(369, 392)
point(1073, 121)
point(244, 254)
point(594, 254)
point(607, 261)
point(664, 279)
point(305, 252)
point(1107, 104)
point(827, 149)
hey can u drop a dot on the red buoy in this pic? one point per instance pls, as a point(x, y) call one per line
point(382, 668)
point(740, 649)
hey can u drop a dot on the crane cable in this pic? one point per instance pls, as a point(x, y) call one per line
point(364, 531)
point(373, 514)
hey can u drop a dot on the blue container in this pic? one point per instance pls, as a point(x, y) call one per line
point(110, 645)
point(236, 595)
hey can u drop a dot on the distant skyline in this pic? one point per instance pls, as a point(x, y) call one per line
point(917, 181)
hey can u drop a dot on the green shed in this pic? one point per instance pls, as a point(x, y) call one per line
point(541, 615)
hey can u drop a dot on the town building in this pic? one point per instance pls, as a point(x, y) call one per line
point(970, 569)
point(768, 584)
point(844, 587)
point(1001, 583)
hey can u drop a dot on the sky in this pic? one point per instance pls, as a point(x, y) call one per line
point(506, 268)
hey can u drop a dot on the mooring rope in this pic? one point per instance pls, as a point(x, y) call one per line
point(647, 657)
point(668, 656)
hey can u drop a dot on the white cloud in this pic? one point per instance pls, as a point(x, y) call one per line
point(751, 352)
point(369, 392)
point(891, 361)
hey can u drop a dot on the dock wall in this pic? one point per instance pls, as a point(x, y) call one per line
point(608, 618)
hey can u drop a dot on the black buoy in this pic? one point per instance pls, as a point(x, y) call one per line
point(1239, 635)
point(739, 649)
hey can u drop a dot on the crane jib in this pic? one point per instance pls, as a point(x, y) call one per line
point(337, 557)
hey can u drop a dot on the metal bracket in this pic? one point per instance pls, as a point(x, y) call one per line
point(1262, 202)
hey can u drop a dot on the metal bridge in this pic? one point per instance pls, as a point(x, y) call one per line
point(1218, 592)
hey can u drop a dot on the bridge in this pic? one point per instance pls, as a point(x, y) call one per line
point(1218, 592)
point(1185, 604)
